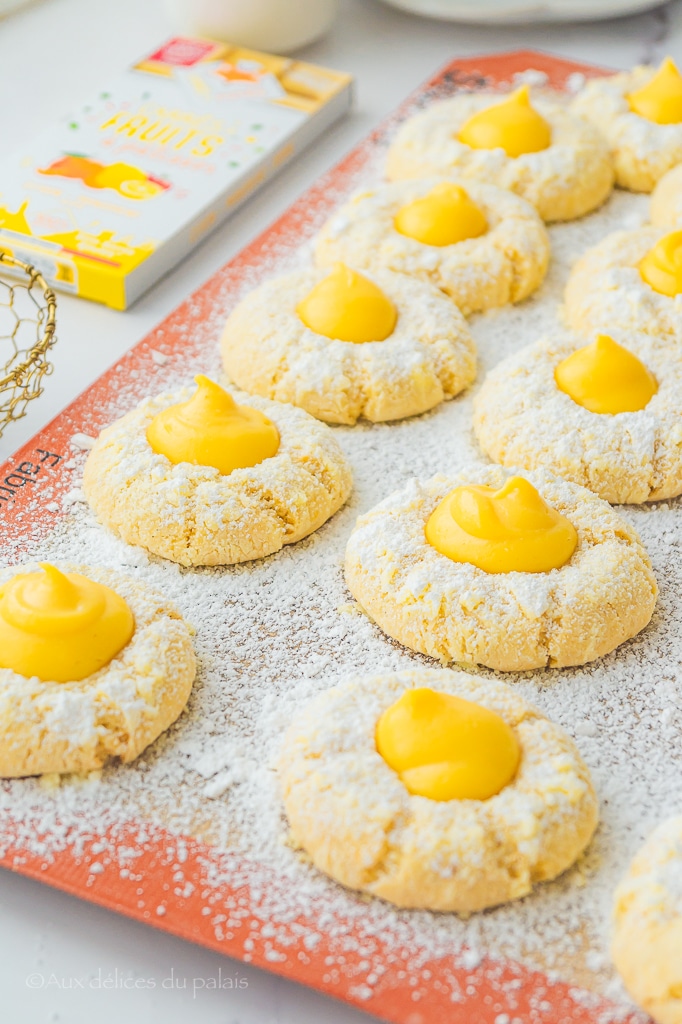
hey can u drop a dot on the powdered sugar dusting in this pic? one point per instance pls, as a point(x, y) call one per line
point(633, 139)
point(271, 634)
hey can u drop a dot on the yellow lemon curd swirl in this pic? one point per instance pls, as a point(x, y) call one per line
point(347, 306)
point(212, 430)
point(443, 217)
point(660, 100)
point(447, 748)
point(510, 530)
point(513, 125)
point(604, 377)
point(661, 268)
point(60, 627)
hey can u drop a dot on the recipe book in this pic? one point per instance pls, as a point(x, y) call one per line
point(109, 199)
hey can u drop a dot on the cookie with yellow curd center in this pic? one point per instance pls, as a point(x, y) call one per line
point(447, 748)
point(606, 378)
point(511, 529)
point(481, 245)
point(347, 306)
point(512, 124)
point(606, 415)
point(531, 145)
point(206, 477)
point(445, 215)
point(647, 925)
point(640, 115)
point(631, 281)
point(665, 208)
point(93, 668)
point(503, 568)
point(389, 780)
point(660, 98)
point(210, 429)
point(349, 341)
point(661, 268)
point(61, 627)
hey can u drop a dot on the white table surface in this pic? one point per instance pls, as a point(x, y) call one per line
point(53, 948)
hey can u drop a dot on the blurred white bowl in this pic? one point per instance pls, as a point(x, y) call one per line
point(277, 26)
point(518, 11)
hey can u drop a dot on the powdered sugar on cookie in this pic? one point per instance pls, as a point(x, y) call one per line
point(273, 634)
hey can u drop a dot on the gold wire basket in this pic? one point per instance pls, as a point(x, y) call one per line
point(28, 310)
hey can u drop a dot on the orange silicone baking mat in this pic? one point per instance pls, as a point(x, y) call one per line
point(180, 883)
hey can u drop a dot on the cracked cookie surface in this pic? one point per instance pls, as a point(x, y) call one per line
point(430, 356)
point(453, 611)
point(521, 418)
point(642, 150)
point(193, 514)
point(110, 715)
point(606, 292)
point(568, 179)
point(355, 818)
point(505, 264)
point(647, 941)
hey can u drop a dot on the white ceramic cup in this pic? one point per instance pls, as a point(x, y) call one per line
point(277, 26)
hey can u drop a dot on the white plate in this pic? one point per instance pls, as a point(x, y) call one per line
point(518, 11)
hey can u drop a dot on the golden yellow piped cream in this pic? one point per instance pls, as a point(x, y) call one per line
point(60, 627)
point(447, 748)
point(212, 430)
point(660, 100)
point(661, 268)
point(513, 125)
point(445, 216)
point(604, 377)
point(347, 306)
point(510, 530)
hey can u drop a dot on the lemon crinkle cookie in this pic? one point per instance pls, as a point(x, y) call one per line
point(93, 668)
point(344, 344)
point(483, 246)
point(647, 942)
point(194, 477)
point(512, 571)
point(640, 114)
point(607, 415)
point(375, 796)
point(556, 160)
point(631, 281)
